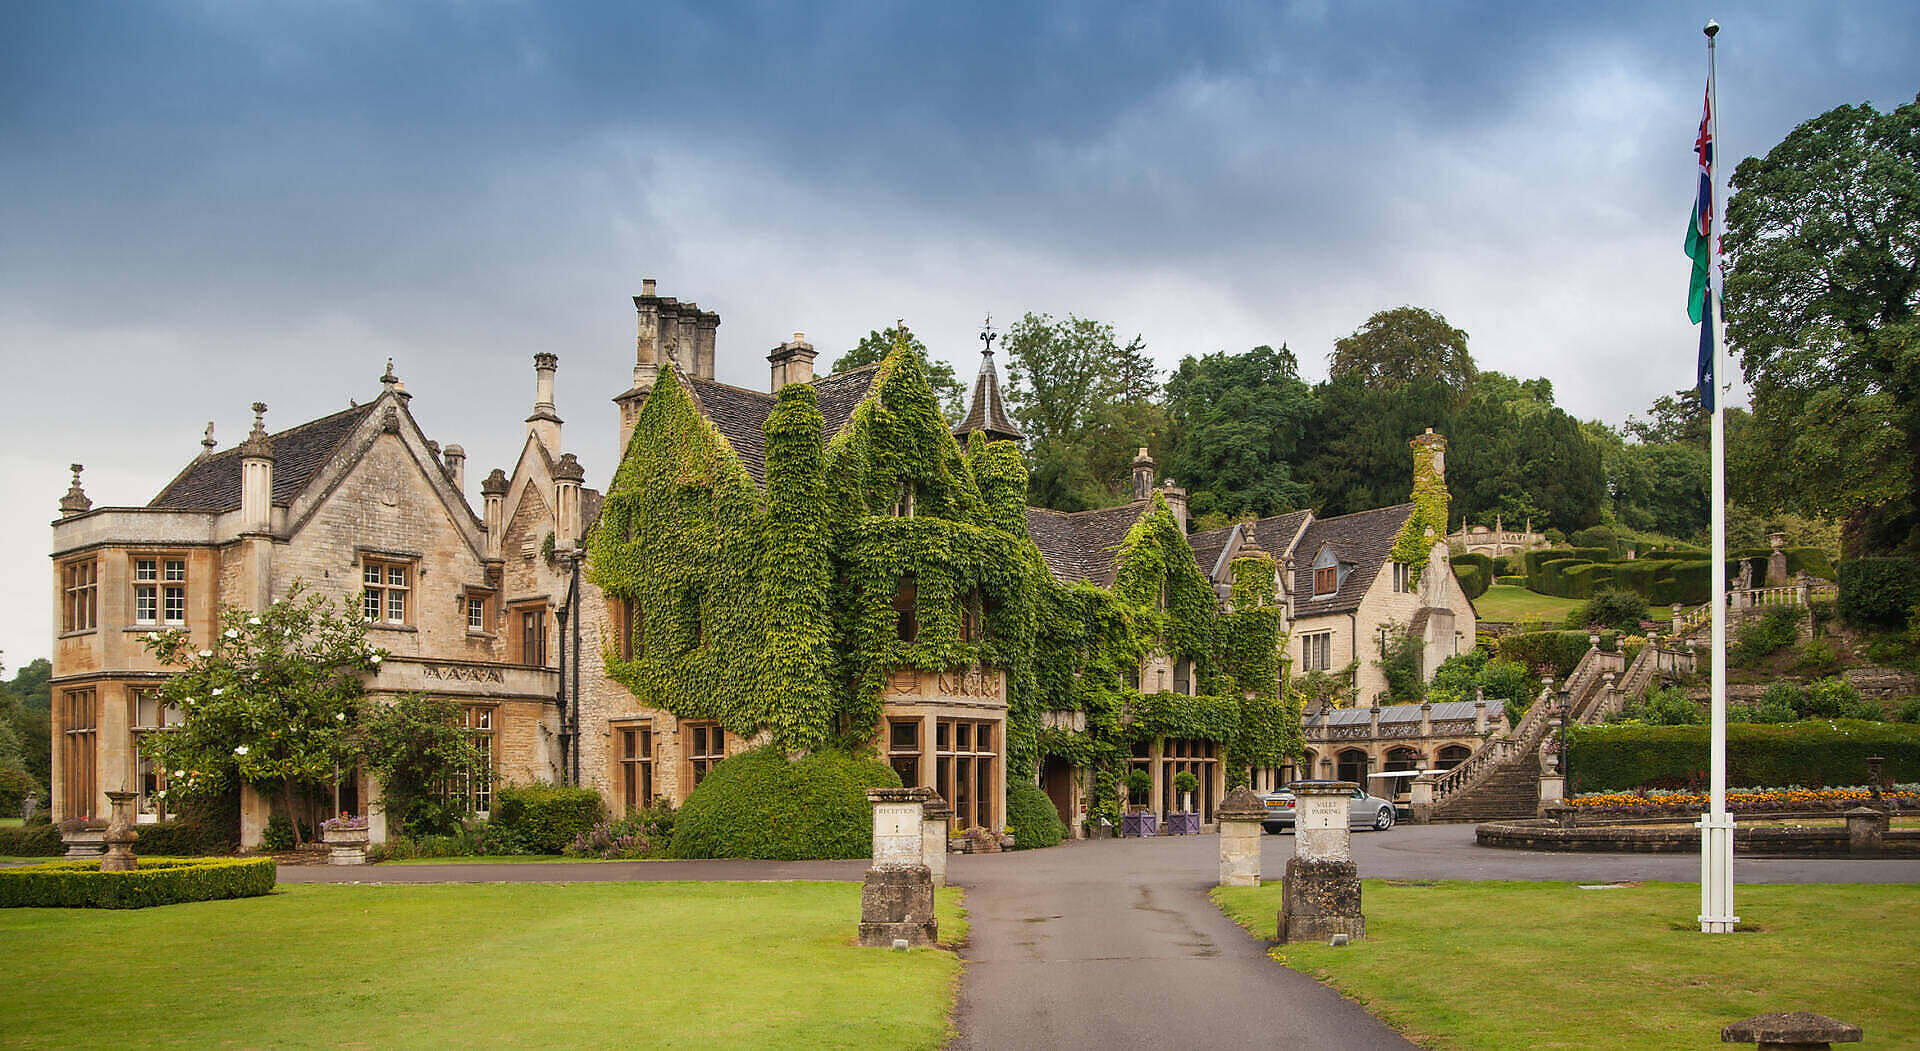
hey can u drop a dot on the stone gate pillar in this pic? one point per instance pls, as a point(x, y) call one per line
point(896, 901)
point(1321, 895)
point(935, 815)
point(1240, 814)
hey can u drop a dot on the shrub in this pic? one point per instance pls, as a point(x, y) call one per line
point(1475, 573)
point(1815, 561)
point(1622, 757)
point(1593, 554)
point(35, 839)
point(1583, 580)
point(1878, 592)
point(277, 837)
point(1620, 610)
point(1457, 675)
point(1505, 566)
point(1766, 636)
point(1598, 538)
point(1818, 657)
point(1666, 706)
point(759, 805)
point(15, 784)
point(462, 843)
point(1783, 697)
point(1515, 581)
point(543, 819)
point(1636, 577)
point(1508, 681)
point(1830, 698)
point(184, 838)
point(1554, 651)
point(1908, 711)
point(1031, 816)
point(1139, 786)
point(157, 881)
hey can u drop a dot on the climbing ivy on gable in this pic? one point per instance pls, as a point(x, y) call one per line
point(1428, 522)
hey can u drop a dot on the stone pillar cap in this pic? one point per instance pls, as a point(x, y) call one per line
point(1790, 1027)
point(935, 806)
point(1864, 811)
point(1241, 804)
point(1322, 788)
point(899, 795)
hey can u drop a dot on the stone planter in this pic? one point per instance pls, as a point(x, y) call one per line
point(1139, 823)
point(90, 842)
point(1187, 824)
point(345, 846)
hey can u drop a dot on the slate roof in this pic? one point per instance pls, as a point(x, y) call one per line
point(213, 484)
point(1392, 713)
point(1208, 544)
point(740, 414)
point(988, 411)
point(1083, 545)
point(1364, 539)
point(1274, 535)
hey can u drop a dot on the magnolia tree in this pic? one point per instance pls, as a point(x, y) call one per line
point(274, 703)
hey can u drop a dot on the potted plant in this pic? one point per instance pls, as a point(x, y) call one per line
point(1138, 821)
point(1186, 821)
point(346, 839)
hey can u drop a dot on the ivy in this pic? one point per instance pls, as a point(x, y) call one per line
point(1428, 522)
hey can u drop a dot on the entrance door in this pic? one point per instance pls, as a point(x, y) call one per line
point(1056, 778)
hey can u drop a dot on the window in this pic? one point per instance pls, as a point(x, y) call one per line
point(903, 749)
point(79, 605)
point(965, 765)
point(629, 627)
point(708, 748)
point(159, 591)
point(903, 501)
point(906, 622)
point(1133, 678)
point(970, 620)
point(383, 595)
point(1402, 578)
point(530, 635)
point(635, 757)
point(1196, 757)
point(476, 788)
point(79, 721)
point(1326, 572)
point(479, 613)
point(1183, 677)
point(150, 712)
point(1316, 651)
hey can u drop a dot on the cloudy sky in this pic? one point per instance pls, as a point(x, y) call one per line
point(207, 203)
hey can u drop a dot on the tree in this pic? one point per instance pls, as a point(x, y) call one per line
point(272, 704)
point(1404, 344)
point(416, 746)
point(1237, 423)
point(1086, 404)
point(1673, 418)
point(26, 706)
point(1823, 255)
point(874, 346)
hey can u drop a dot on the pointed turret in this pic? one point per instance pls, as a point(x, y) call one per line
point(987, 413)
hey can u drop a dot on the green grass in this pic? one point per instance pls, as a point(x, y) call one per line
point(1506, 602)
point(1540, 965)
point(494, 859)
point(11, 822)
point(653, 964)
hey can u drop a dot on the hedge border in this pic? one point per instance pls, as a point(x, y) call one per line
point(157, 881)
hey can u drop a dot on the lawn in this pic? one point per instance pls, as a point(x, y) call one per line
point(1514, 604)
point(11, 822)
point(494, 859)
point(650, 964)
point(1538, 965)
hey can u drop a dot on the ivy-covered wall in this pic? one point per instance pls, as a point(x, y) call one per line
point(778, 610)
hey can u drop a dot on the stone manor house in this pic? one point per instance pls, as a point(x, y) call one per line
point(827, 563)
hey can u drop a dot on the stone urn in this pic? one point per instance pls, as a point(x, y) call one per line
point(120, 835)
point(346, 840)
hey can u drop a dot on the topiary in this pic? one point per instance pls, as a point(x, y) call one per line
point(758, 804)
point(1139, 785)
point(1031, 817)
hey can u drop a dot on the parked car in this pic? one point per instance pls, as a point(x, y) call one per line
point(1363, 811)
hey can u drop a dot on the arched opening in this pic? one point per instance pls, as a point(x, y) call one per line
point(1451, 756)
point(1402, 758)
point(1353, 766)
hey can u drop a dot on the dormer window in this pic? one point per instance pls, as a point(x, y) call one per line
point(1326, 572)
point(903, 501)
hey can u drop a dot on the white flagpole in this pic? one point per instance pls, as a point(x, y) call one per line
point(1716, 827)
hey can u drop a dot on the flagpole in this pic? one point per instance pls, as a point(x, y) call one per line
point(1716, 827)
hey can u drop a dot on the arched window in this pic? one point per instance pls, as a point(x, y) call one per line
point(1403, 759)
point(1354, 766)
point(1451, 756)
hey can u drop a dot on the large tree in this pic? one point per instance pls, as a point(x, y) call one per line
point(1085, 401)
point(1237, 423)
point(875, 344)
point(1404, 344)
point(1823, 281)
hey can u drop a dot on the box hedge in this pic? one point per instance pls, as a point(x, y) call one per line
point(1593, 554)
point(543, 819)
point(157, 881)
point(1813, 753)
point(1475, 573)
point(1815, 561)
point(1556, 651)
point(758, 804)
point(1878, 592)
point(35, 839)
point(1031, 817)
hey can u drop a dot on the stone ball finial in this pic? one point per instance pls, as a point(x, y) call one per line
point(75, 502)
point(569, 469)
point(495, 483)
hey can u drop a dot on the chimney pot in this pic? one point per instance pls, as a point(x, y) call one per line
point(646, 286)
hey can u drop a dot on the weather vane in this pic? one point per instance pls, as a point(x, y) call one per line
point(987, 335)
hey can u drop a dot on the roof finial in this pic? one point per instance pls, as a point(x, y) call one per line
point(258, 445)
point(389, 379)
point(75, 502)
point(988, 335)
point(207, 443)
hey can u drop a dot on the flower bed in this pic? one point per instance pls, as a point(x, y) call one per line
point(1793, 799)
point(158, 881)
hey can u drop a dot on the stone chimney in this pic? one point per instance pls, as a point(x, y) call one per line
point(1430, 481)
point(256, 475)
point(567, 476)
point(1176, 498)
point(792, 362)
point(493, 497)
point(456, 460)
point(1142, 475)
point(1432, 448)
point(545, 422)
point(669, 332)
point(75, 502)
point(207, 444)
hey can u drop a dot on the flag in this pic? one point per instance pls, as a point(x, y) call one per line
point(1700, 249)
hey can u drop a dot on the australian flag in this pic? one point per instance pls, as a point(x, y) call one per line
point(1700, 249)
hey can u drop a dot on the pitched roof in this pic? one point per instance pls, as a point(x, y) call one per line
point(1393, 713)
point(988, 411)
point(1274, 535)
point(1364, 539)
point(213, 484)
point(1083, 545)
point(740, 415)
point(1208, 545)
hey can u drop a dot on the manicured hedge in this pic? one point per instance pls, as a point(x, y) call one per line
point(1513, 579)
point(1583, 580)
point(1558, 651)
point(1811, 753)
point(1688, 583)
point(35, 839)
point(543, 819)
point(157, 881)
point(1814, 560)
point(1031, 817)
point(1878, 591)
point(181, 839)
point(1593, 554)
point(1635, 576)
point(760, 805)
point(1475, 573)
